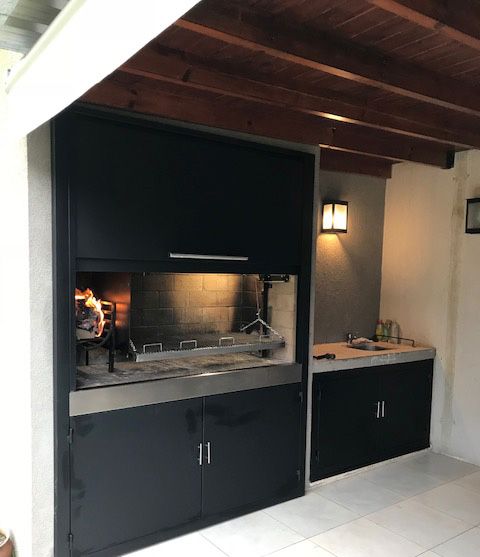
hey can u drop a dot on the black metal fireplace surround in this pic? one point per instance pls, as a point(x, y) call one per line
point(138, 196)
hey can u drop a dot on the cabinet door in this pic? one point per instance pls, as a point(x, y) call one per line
point(254, 439)
point(140, 192)
point(134, 472)
point(406, 390)
point(344, 422)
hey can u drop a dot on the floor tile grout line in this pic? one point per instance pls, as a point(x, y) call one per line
point(446, 512)
point(373, 485)
point(452, 538)
point(336, 502)
point(357, 517)
point(404, 498)
point(272, 554)
point(442, 482)
point(424, 550)
point(214, 545)
point(437, 477)
point(456, 482)
point(408, 497)
point(283, 523)
point(413, 541)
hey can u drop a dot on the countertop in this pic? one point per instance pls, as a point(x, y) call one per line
point(350, 358)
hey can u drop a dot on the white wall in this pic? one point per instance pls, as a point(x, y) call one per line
point(15, 409)
point(41, 339)
point(431, 285)
point(26, 374)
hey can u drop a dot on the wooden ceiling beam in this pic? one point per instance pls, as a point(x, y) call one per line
point(338, 161)
point(454, 20)
point(274, 122)
point(232, 24)
point(191, 72)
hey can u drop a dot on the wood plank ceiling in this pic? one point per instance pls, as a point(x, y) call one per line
point(374, 82)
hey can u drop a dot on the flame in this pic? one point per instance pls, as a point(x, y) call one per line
point(92, 302)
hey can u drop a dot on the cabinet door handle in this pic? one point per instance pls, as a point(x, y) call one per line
point(200, 454)
point(207, 257)
point(209, 453)
point(378, 410)
point(383, 409)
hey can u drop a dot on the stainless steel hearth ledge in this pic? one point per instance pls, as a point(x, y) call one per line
point(104, 399)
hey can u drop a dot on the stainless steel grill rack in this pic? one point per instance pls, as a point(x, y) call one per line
point(208, 345)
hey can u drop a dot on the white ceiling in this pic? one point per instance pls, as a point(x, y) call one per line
point(22, 22)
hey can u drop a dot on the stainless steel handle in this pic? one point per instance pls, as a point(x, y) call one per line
point(200, 454)
point(383, 409)
point(378, 410)
point(207, 257)
point(209, 460)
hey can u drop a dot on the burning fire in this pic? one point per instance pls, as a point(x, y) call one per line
point(86, 299)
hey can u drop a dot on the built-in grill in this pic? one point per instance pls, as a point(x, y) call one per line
point(169, 316)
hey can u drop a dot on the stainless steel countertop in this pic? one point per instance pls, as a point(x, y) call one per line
point(350, 358)
point(116, 397)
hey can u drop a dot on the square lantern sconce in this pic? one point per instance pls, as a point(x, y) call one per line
point(335, 216)
point(472, 225)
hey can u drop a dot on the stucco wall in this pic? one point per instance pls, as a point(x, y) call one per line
point(26, 388)
point(430, 285)
point(348, 266)
point(15, 407)
point(41, 340)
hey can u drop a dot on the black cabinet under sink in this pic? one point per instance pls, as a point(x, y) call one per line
point(367, 415)
point(143, 474)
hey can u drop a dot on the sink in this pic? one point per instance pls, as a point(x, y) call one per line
point(368, 346)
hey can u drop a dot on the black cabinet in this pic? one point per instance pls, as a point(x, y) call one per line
point(344, 435)
point(252, 444)
point(147, 472)
point(141, 192)
point(406, 392)
point(134, 472)
point(368, 415)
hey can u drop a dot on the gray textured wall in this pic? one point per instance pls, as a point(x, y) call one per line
point(349, 266)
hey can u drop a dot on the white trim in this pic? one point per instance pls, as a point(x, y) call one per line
point(86, 42)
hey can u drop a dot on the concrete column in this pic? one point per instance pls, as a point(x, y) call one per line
point(26, 370)
point(15, 386)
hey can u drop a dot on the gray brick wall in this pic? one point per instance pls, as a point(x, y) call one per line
point(180, 304)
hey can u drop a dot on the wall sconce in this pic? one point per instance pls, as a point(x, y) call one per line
point(472, 225)
point(335, 216)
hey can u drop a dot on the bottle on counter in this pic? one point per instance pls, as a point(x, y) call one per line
point(379, 330)
point(387, 329)
point(395, 332)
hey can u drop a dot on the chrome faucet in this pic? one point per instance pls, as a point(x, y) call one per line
point(350, 337)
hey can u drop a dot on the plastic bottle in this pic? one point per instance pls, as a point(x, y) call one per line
point(379, 330)
point(395, 332)
point(387, 329)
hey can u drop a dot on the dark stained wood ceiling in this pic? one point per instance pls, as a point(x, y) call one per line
point(374, 82)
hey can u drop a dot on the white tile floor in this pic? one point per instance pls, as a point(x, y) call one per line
point(426, 506)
